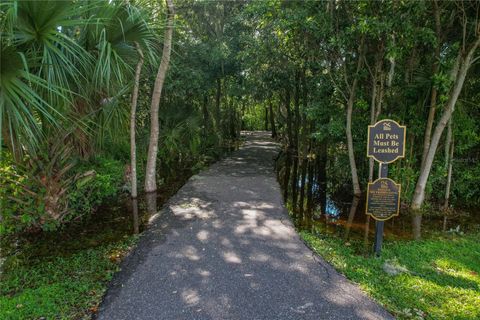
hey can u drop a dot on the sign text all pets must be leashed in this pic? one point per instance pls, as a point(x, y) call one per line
point(386, 141)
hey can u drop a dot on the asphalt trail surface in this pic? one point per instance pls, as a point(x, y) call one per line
point(224, 248)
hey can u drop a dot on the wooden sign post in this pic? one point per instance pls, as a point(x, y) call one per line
point(386, 143)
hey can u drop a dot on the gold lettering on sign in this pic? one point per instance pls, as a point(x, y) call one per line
point(383, 199)
point(386, 141)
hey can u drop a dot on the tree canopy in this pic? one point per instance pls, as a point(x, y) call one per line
point(315, 73)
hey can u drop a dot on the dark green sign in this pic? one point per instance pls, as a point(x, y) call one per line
point(386, 141)
point(383, 199)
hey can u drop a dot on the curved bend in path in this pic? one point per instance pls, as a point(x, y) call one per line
point(224, 248)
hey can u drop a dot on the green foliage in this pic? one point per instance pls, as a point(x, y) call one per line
point(441, 282)
point(65, 78)
point(106, 182)
point(15, 208)
point(24, 197)
point(254, 118)
point(465, 188)
point(314, 46)
point(62, 287)
point(69, 75)
point(19, 104)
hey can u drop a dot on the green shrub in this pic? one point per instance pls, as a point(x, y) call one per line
point(19, 209)
point(465, 190)
point(23, 193)
point(107, 182)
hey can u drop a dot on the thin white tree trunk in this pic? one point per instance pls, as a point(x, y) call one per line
point(133, 112)
point(351, 154)
point(351, 100)
point(372, 121)
point(448, 141)
point(433, 96)
point(465, 63)
point(449, 163)
point(375, 105)
point(449, 147)
point(429, 126)
point(391, 72)
point(150, 175)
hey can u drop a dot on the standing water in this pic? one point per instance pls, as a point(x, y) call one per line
point(344, 216)
point(121, 218)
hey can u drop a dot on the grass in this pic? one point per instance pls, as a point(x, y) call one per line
point(61, 287)
point(442, 281)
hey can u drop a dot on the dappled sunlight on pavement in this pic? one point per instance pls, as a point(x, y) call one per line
point(224, 248)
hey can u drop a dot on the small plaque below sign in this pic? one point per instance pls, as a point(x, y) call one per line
point(386, 141)
point(383, 199)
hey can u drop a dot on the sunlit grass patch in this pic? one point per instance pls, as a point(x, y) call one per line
point(439, 278)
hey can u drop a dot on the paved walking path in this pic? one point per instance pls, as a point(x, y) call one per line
point(224, 248)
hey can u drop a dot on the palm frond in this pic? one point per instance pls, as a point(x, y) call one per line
point(22, 109)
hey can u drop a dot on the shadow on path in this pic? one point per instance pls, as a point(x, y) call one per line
point(224, 248)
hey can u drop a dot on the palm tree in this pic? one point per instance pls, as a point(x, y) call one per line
point(41, 65)
point(65, 65)
point(122, 33)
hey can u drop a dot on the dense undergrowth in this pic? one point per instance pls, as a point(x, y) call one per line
point(23, 195)
point(61, 287)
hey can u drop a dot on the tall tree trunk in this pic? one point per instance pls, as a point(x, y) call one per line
point(417, 226)
point(310, 186)
point(322, 175)
point(303, 174)
point(239, 117)
point(150, 175)
point(448, 141)
point(465, 63)
point(294, 181)
point(351, 100)
point(266, 118)
point(217, 103)
point(136, 226)
point(449, 148)
point(433, 95)
point(429, 126)
point(380, 94)
point(272, 120)
point(206, 128)
point(151, 202)
point(289, 119)
point(391, 72)
point(286, 177)
point(351, 155)
point(410, 143)
point(373, 107)
point(231, 118)
point(296, 101)
point(133, 115)
point(288, 161)
point(306, 147)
